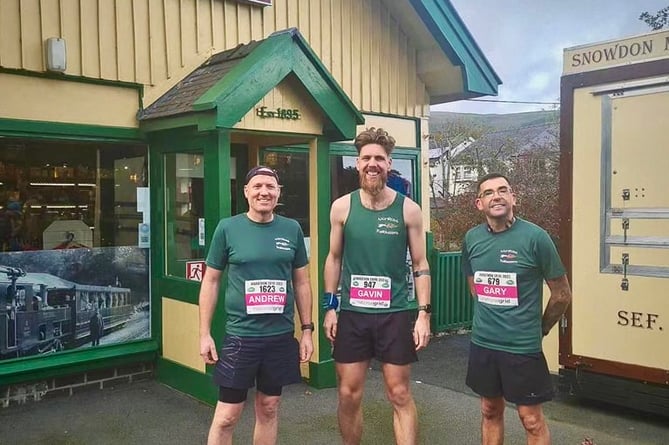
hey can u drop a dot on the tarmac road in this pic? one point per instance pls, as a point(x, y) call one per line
point(147, 412)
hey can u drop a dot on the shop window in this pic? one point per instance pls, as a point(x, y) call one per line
point(345, 178)
point(69, 234)
point(184, 185)
point(293, 170)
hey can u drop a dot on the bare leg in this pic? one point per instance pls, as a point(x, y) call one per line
point(534, 422)
point(226, 417)
point(267, 419)
point(492, 421)
point(398, 391)
point(349, 410)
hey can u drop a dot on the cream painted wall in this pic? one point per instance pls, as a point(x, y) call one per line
point(50, 100)
point(181, 339)
point(288, 95)
point(157, 43)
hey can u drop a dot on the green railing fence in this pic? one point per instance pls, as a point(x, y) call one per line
point(452, 304)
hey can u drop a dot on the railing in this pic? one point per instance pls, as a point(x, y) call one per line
point(452, 304)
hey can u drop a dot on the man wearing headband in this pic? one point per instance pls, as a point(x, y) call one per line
point(371, 229)
point(267, 266)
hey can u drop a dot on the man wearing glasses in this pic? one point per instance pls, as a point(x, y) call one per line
point(506, 259)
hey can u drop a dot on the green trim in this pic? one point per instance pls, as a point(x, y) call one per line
point(73, 362)
point(447, 28)
point(276, 57)
point(187, 380)
point(57, 130)
point(323, 193)
point(322, 375)
point(70, 78)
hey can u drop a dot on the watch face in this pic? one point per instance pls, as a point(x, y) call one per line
point(427, 308)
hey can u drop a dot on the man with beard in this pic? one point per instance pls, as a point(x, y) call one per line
point(370, 230)
point(506, 259)
point(267, 275)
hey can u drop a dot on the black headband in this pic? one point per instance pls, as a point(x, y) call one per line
point(261, 170)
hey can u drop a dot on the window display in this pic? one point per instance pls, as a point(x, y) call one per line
point(72, 274)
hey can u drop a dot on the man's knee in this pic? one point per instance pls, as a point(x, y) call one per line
point(225, 420)
point(533, 421)
point(399, 395)
point(492, 408)
point(268, 407)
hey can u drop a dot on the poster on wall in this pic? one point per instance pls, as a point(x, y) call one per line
point(72, 299)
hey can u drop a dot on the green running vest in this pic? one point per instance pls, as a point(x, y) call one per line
point(374, 271)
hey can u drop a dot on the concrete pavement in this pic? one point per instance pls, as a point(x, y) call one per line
point(149, 413)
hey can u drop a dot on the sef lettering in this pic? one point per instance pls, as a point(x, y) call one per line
point(638, 320)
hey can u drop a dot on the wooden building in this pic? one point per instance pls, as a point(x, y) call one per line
point(138, 117)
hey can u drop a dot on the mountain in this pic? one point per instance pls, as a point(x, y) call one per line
point(493, 122)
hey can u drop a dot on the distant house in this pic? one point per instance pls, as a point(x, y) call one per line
point(454, 171)
point(441, 168)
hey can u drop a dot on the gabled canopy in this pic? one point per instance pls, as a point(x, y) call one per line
point(233, 81)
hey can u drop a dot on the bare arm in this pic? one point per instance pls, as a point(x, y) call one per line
point(302, 286)
point(207, 301)
point(413, 219)
point(472, 288)
point(332, 268)
point(557, 304)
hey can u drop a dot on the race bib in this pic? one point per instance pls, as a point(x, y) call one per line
point(496, 288)
point(370, 291)
point(265, 296)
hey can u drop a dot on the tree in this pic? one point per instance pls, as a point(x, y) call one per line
point(658, 20)
point(529, 158)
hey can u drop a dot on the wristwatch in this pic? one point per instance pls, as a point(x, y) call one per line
point(426, 307)
point(308, 326)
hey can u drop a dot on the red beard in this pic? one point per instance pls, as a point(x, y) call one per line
point(373, 186)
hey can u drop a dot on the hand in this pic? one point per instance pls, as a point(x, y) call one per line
point(306, 346)
point(330, 325)
point(208, 350)
point(421, 330)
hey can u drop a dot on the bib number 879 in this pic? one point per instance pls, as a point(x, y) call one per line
point(493, 281)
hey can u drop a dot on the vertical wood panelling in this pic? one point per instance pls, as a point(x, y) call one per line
point(280, 13)
point(217, 30)
point(230, 16)
point(335, 37)
point(374, 63)
point(71, 23)
point(303, 18)
point(256, 21)
point(158, 38)
point(107, 39)
point(316, 28)
point(188, 33)
point(10, 34)
point(90, 46)
point(124, 42)
point(31, 36)
point(141, 41)
point(243, 23)
point(402, 61)
point(157, 42)
point(325, 30)
point(364, 74)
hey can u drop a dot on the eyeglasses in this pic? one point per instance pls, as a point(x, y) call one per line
point(501, 191)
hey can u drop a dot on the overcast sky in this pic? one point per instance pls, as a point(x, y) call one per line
point(524, 41)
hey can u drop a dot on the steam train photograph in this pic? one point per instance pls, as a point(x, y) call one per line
point(42, 313)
